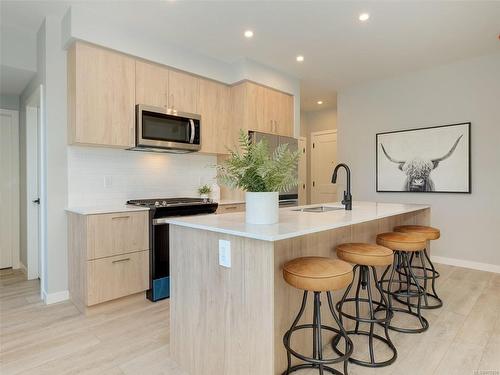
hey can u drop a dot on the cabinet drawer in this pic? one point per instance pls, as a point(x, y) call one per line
point(227, 208)
point(117, 276)
point(117, 233)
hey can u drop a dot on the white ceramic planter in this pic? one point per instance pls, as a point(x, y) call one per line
point(262, 208)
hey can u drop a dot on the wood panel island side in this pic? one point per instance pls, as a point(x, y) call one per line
point(231, 321)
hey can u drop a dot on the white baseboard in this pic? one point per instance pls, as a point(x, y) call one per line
point(51, 298)
point(23, 268)
point(467, 264)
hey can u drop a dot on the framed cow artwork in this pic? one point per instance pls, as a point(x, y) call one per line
point(426, 160)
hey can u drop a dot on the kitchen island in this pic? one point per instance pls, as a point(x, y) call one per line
point(231, 320)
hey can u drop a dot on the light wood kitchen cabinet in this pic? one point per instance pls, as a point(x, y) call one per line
point(117, 276)
point(151, 82)
point(215, 108)
point(160, 86)
point(101, 97)
point(108, 256)
point(116, 233)
point(183, 92)
point(262, 109)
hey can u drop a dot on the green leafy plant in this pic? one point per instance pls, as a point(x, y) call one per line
point(253, 168)
point(204, 189)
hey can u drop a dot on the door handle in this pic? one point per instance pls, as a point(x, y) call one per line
point(121, 260)
point(191, 122)
point(37, 201)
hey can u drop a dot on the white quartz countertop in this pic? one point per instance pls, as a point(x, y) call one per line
point(295, 223)
point(104, 209)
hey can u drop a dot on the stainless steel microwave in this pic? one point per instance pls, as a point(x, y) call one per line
point(163, 130)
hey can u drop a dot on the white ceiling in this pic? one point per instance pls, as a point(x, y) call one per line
point(339, 50)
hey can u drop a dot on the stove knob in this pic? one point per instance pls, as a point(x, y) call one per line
point(164, 203)
point(157, 203)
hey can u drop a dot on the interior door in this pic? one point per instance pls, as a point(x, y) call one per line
point(323, 160)
point(33, 167)
point(9, 188)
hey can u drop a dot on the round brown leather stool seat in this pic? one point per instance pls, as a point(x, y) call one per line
point(406, 286)
point(402, 241)
point(317, 274)
point(424, 265)
point(430, 233)
point(365, 254)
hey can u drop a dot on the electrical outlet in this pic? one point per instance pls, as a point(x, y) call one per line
point(225, 253)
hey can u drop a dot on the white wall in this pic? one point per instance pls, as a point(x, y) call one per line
point(465, 91)
point(103, 176)
point(325, 119)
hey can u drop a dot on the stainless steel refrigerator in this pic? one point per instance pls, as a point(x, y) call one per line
point(290, 197)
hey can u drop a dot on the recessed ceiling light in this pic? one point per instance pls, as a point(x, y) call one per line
point(320, 102)
point(364, 17)
point(300, 58)
point(248, 33)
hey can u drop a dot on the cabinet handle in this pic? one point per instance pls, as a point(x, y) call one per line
point(303, 186)
point(231, 207)
point(314, 184)
point(121, 260)
point(120, 217)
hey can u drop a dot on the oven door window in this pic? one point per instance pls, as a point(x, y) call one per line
point(159, 127)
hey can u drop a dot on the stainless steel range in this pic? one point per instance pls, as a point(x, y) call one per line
point(159, 210)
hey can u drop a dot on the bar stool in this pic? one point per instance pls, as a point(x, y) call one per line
point(366, 257)
point(429, 273)
point(317, 274)
point(403, 244)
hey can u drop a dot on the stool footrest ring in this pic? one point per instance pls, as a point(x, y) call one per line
point(336, 341)
point(424, 323)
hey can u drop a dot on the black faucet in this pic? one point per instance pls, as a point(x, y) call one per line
point(347, 201)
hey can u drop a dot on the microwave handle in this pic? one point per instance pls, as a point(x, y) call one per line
point(191, 122)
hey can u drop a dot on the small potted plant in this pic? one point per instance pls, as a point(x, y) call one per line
point(204, 191)
point(261, 174)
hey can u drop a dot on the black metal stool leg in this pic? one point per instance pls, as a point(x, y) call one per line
point(317, 361)
point(402, 294)
point(431, 300)
point(286, 338)
point(364, 282)
point(319, 345)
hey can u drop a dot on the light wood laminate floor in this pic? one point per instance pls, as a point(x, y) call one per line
point(131, 336)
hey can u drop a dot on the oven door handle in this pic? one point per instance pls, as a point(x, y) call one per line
point(160, 221)
point(191, 123)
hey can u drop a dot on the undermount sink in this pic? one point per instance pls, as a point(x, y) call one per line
point(318, 209)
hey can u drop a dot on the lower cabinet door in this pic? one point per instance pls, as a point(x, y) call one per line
point(117, 276)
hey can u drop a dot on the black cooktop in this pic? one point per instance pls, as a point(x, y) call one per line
point(168, 202)
point(162, 207)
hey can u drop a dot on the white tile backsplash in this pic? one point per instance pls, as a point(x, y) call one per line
point(104, 176)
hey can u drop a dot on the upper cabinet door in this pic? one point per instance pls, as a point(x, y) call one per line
point(183, 93)
point(255, 107)
point(151, 84)
point(271, 111)
point(101, 97)
point(214, 108)
point(285, 118)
